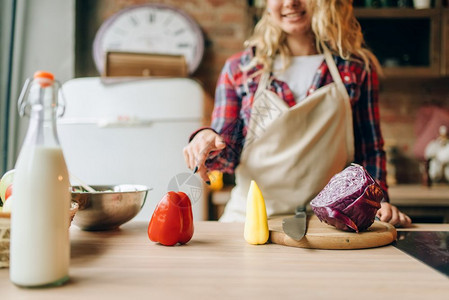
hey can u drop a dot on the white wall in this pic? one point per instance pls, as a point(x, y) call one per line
point(44, 40)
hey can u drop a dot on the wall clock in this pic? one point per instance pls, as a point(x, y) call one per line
point(150, 28)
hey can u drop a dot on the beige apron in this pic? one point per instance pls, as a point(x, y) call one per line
point(293, 152)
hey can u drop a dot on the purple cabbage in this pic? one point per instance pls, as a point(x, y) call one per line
point(349, 201)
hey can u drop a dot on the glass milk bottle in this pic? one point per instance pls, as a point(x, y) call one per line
point(40, 246)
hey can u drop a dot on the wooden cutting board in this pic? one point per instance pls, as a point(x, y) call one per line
point(322, 236)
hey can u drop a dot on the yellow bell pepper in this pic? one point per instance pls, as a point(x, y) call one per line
point(256, 224)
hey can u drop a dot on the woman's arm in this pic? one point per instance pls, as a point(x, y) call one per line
point(226, 122)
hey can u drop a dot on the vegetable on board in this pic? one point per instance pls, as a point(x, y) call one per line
point(349, 201)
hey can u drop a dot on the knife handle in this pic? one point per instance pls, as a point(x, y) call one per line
point(300, 209)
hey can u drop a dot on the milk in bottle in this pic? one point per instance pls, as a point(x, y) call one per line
point(40, 247)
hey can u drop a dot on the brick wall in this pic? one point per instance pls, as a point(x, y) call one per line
point(400, 101)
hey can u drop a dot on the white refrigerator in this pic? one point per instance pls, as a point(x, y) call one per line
point(133, 132)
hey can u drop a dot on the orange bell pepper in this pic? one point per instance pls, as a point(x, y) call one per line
point(172, 220)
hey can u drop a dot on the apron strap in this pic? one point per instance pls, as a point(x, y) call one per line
point(334, 71)
point(344, 93)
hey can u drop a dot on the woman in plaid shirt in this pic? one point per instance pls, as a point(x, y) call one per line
point(316, 90)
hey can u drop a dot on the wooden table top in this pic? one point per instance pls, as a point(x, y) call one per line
point(218, 263)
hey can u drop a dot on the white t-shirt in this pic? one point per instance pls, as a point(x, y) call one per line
point(299, 75)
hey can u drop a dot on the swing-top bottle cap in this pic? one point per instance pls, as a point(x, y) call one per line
point(44, 78)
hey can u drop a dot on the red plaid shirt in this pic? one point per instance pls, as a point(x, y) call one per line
point(233, 102)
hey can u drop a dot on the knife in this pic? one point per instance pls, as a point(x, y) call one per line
point(295, 227)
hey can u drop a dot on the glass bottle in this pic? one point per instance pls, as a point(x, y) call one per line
point(40, 246)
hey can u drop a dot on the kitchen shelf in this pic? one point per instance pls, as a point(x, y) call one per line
point(408, 42)
point(398, 13)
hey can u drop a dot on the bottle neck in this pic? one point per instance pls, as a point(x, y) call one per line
point(42, 129)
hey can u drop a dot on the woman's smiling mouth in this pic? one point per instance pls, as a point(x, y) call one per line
point(294, 15)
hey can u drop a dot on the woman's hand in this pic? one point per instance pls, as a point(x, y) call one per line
point(391, 214)
point(197, 151)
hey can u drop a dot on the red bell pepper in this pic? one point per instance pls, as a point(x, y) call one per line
point(172, 220)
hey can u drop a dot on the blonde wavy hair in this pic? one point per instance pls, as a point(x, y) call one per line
point(332, 22)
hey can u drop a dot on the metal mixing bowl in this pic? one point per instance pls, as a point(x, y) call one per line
point(108, 207)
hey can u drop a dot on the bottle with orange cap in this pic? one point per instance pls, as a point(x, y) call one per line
point(40, 246)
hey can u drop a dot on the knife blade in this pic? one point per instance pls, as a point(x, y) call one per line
point(295, 227)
